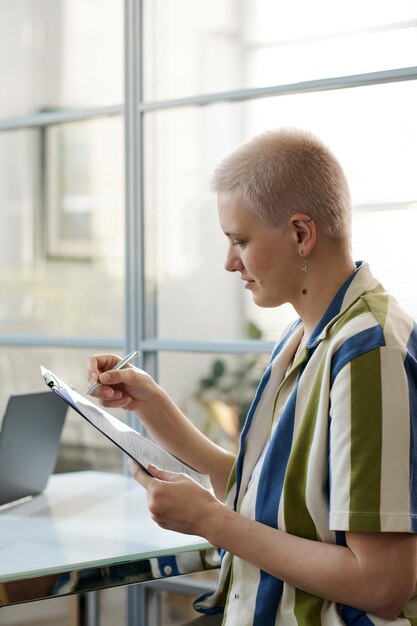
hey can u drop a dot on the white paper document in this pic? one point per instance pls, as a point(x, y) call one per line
point(138, 447)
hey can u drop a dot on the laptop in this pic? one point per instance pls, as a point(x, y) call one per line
point(29, 443)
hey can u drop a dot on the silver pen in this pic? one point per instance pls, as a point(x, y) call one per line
point(119, 366)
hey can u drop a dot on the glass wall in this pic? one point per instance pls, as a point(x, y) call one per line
point(208, 75)
point(61, 229)
point(214, 75)
point(195, 46)
point(214, 390)
point(61, 54)
point(185, 246)
point(62, 218)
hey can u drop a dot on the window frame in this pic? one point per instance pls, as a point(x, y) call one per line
point(139, 311)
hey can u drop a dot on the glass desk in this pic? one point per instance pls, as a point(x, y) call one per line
point(89, 531)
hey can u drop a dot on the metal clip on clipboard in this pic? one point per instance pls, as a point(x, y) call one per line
point(50, 379)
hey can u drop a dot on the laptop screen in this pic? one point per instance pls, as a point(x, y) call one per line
point(29, 444)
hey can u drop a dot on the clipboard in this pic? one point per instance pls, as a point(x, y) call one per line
point(136, 446)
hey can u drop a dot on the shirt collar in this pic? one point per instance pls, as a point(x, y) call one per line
point(359, 281)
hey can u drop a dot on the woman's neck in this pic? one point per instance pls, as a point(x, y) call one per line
point(326, 274)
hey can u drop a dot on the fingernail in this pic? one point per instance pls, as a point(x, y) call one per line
point(105, 378)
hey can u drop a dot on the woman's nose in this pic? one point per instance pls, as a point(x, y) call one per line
point(233, 262)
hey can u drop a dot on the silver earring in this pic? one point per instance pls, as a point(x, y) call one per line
point(305, 262)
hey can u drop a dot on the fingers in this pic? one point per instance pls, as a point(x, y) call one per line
point(146, 480)
point(175, 501)
point(168, 477)
point(159, 499)
point(110, 397)
point(118, 402)
point(138, 473)
point(126, 376)
point(128, 387)
point(154, 484)
point(99, 363)
point(111, 394)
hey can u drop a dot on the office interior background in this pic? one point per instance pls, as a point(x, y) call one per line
point(112, 117)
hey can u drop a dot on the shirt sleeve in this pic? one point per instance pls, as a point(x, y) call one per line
point(372, 451)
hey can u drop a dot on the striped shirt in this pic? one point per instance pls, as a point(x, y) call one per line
point(333, 437)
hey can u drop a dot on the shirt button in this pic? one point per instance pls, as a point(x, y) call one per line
point(167, 570)
point(236, 596)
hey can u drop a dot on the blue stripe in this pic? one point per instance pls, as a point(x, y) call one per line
point(362, 342)
point(267, 600)
point(198, 606)
point(355, 616)
point(410, 365)
point(264, 381)
point(341, 538)
point(267, 504)
point(275, 464)
point(169, 562)
point(334, 308)
point(355, 346)
point(329, 465)
point(284, 340)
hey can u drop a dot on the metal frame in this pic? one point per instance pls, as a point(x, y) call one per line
point(135, 108)
point(134, 279)
point(47, 118)
point(55, 341)
point(309, 86)
point(134, 176)
point(83, 580)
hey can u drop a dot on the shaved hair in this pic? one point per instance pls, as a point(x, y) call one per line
point(288, 171)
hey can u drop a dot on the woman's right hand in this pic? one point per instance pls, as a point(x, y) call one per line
point(129, 388)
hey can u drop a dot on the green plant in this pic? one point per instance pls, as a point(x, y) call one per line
point(226, 392)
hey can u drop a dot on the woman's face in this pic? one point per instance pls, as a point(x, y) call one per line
point(267, 259)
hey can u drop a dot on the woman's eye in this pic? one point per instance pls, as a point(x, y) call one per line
point(239, 243)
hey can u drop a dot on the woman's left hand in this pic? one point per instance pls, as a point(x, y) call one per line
point(175, 500)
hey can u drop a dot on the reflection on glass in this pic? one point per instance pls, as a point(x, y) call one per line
point(61, 54)
point(62, 230)
point(195, 297)
point(214, 391)
point(84, 172)
point(185, 248)
point(385, 238)
point(70, 150)
point(194, 46)
point(82, 447)
point(354, 122)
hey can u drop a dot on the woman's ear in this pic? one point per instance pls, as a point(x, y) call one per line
point(305, 232)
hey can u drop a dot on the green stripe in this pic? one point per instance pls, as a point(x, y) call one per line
point(227, 590)
point(298, 521)
point(374, 301)
point(307, 608)
point(361, 307)
point(377, 300)
point(232, 479)
point(366, 442)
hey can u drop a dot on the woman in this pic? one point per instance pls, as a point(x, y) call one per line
point(321, 508)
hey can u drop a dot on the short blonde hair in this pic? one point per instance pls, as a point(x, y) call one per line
point(287, 171)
